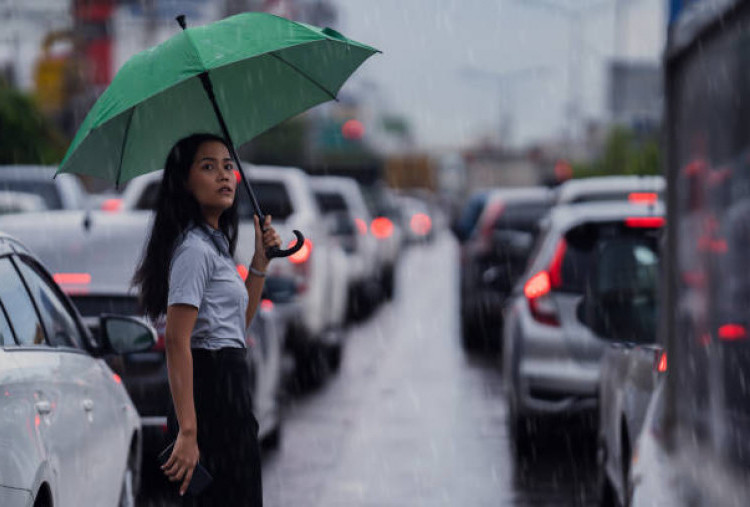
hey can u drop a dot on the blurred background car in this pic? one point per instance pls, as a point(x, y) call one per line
point(20, 202)
point(63, 192)
point(551, 358)
point(70, 433)
point(387, 228)
point(416, 219)
point(494, 256)
point(636, 189)
point(336, 194)
point(93, 256)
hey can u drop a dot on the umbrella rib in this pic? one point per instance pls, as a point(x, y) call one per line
point(122, 148)
point(303, 73)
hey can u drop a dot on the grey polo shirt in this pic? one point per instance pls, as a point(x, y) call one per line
point(202, 274)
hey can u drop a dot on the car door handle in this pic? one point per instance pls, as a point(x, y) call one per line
point(43, 407)
point(88, 405)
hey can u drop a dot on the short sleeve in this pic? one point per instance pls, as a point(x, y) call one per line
point(189, 274)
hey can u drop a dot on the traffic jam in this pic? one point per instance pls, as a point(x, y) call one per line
point(582, 340)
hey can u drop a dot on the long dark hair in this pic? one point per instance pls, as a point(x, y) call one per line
point(176, 209)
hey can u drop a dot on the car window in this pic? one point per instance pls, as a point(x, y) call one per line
point(148, 198)
point(273, 199)
point(47, 190)
point(18, 305)
point(6, 334)
point(330, 201)
point(60, 324)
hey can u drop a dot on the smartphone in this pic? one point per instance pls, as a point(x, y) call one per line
point(200, 480)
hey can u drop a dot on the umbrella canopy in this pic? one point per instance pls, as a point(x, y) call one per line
point(263, 68)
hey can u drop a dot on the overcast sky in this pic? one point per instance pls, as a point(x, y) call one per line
point(428, 45)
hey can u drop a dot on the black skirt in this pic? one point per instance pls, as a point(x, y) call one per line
point(227, 428)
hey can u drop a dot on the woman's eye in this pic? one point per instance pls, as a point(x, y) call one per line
point(207, 167)
point(229, 167)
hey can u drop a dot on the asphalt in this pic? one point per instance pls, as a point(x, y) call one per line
point(413, 420)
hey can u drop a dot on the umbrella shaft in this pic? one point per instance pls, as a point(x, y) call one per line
point(208, 86)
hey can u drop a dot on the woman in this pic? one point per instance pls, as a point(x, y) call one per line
point(188, 273)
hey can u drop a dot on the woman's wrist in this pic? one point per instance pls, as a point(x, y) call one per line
point(260, 264)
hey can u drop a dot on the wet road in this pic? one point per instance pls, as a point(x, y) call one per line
point(412, 420)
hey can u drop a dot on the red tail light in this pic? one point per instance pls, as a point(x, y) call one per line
point(116, 378)
point(421, 224)
point(72, 278)
point(112, 205)
point(732, 332)
point(160, 344)
point(237, 175)
point(644, 222)
point(242, 270)
point(361, 226)
point(538, 285)
point(382, 228)
point(643, 197)
point(303, 254)
point(266, 305)
point(537, 291)
point(660, 361)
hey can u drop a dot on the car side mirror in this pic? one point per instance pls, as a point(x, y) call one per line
point(125, 335)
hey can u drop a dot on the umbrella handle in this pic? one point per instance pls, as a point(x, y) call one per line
point(276, 252)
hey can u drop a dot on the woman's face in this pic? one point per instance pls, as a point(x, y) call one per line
point(212, 179)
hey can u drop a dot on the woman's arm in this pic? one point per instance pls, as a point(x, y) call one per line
point(180, 322)
point(254, 284)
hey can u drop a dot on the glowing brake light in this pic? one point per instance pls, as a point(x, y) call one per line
point(644, 222)
point(72, 278)
point(116, 378)
point(538, 285)
point(732, 332)
point(361, 226)
point(303, 254)
point(661, 366)
point(421, 224)
point(237, 175)
point(643, 197)
point(112, 205)
point(242, 270)
point(266, 305)
point(382, 228)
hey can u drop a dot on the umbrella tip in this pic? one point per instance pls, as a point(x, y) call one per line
point(181, 20)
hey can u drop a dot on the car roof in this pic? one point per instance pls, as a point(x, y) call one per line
point(512, 194)
point(574, 189)
point(9, 244)
point(109, 250)
point(38, 172)
point(566, 216)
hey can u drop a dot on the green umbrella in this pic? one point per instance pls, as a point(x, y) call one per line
point(235, 78)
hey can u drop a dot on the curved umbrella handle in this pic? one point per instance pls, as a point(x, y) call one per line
point(275, 252)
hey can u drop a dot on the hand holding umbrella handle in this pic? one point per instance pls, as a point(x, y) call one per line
point(275, 252)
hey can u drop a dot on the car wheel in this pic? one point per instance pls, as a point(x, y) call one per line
point(272, 442)
point(521, 430)
point(127, 490)
point(334, 355)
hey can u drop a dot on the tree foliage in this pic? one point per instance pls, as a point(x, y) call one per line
point(625, 152)
point(26, 135)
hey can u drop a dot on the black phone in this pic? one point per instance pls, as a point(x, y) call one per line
point(200, 480)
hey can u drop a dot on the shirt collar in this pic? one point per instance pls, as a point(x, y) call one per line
point(215, 236)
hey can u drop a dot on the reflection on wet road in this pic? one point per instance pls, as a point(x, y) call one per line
point(411, 420)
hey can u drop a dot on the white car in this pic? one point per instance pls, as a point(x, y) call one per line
point(69, 432)
point(319, 268)
point(63, 192)
point(336, 194)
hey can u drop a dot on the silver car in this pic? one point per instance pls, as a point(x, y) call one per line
point(69, 433)
point(63, 192)
point(551, 358)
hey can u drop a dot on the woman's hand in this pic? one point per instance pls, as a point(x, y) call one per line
point(182, 462)
point(264, 240)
